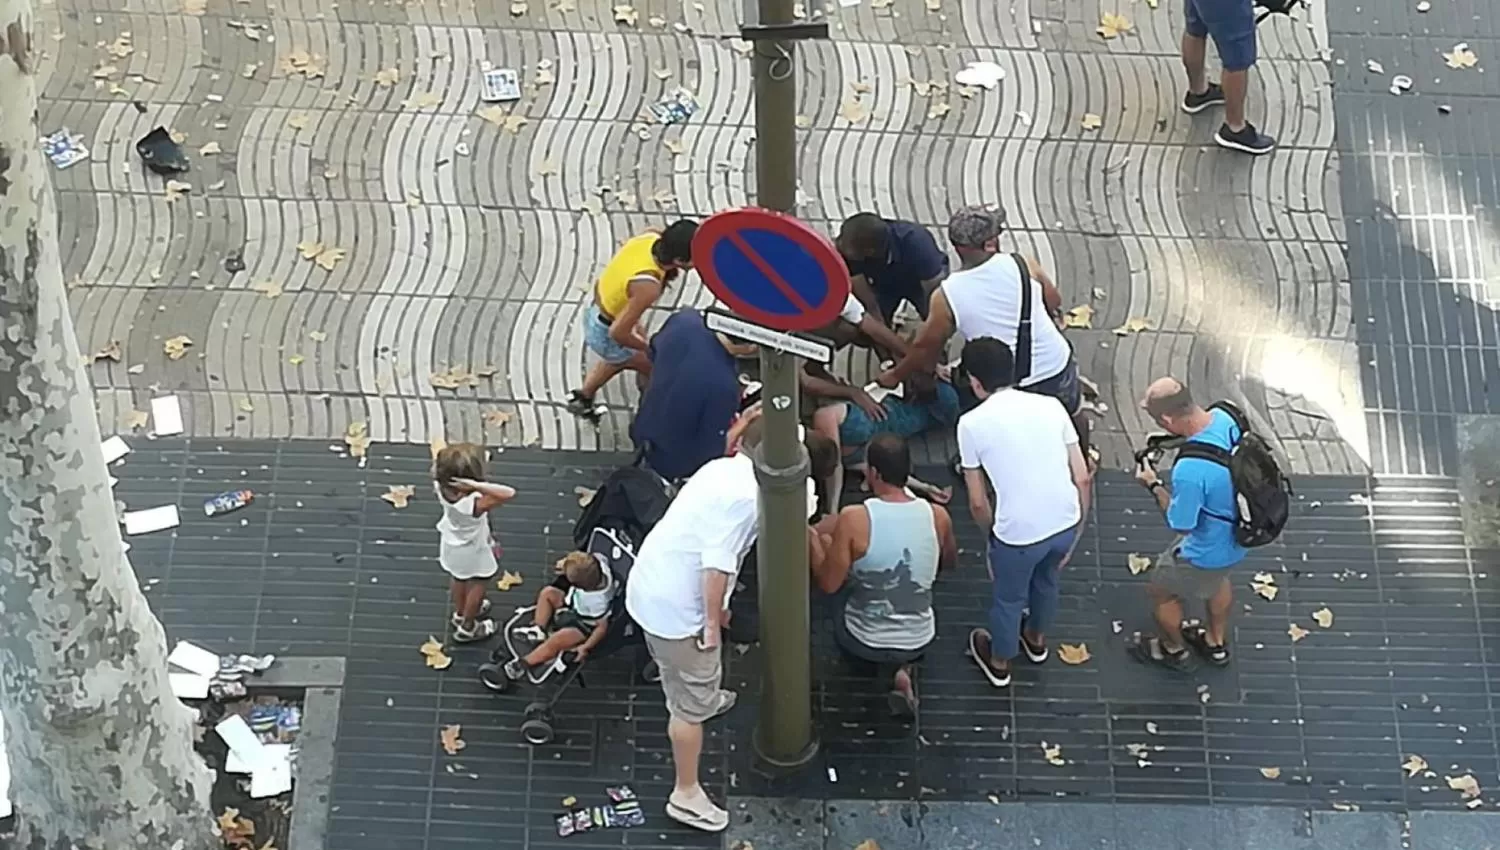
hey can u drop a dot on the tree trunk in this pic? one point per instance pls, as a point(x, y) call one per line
point(101, 752)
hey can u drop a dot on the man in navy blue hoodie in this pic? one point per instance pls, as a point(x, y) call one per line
point(692, 399)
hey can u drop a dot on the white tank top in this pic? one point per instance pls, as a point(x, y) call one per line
point(986, 302)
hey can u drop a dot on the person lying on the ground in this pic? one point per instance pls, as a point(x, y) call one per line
point(923, 404)
point(629, 285)
point(983, 299)
point(692, 399)
point(883, 557)
point(572, 613)
point(890, 262)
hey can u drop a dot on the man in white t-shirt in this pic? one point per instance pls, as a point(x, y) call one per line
point(678, 594)
point(1024, 446)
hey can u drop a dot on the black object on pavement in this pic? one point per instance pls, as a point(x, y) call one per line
point(160, 153)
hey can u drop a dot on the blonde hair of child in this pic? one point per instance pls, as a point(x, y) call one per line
point(582, 570)
point(460, 460)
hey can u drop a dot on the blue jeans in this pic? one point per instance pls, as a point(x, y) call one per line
point(1024, 577)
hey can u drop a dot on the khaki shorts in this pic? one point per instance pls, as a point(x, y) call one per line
point(1181, 579)
point(690, 677)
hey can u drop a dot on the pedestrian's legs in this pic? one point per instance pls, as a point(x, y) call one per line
point(473, 599)
point(1011, 569)
point(826, 421)
point(1042, 593)
point(1236, 84)
point(687, 747)
point(456, 592)
point(602, 372)
point(1219, 606)
point(1194, 52)
point(1167, 610)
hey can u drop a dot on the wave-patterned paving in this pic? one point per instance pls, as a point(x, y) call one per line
point(468, 241)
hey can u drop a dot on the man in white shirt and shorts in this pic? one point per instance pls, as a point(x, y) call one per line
point(678, 594)
point(1024, 446)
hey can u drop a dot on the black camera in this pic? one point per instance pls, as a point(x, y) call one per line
point(1156, 446)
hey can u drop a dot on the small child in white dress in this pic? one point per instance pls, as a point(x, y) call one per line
point(467, 549)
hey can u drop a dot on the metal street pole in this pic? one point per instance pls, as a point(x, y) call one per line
point(784, 736)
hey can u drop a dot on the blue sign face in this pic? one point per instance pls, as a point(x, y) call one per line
point(771, 269)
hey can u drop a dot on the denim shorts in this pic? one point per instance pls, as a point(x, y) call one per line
point(1231, 24)
point(596, 337)
point(1063, 386)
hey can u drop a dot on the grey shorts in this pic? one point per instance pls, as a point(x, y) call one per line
point(1181, 579)
point(690, 677)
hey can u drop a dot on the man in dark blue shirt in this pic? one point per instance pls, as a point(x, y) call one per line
point(692, 399)
point(891, 261)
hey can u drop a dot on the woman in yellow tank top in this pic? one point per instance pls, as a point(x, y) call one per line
point(630, 284)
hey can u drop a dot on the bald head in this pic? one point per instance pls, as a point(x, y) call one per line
point(1168, 398)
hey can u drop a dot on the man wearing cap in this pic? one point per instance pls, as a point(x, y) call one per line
point(984, 298)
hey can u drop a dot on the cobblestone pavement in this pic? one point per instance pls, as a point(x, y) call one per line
point(469, 238)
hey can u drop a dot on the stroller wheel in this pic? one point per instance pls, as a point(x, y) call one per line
point(537, 732)
point(537, 710)
point(493, 677)
point(651, 673)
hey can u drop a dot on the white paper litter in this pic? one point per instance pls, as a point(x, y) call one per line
point(878, 393)
point(114, 448)
point(188, 685)
point(151, 519)
point(194, 659)
point(242, 742)
point(268, 782)
point(166, 415)
point(847, 3)
point(274, 752)
point(985, 75)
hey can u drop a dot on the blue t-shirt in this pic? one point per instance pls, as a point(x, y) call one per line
point(1203, 506)
point(691, 400)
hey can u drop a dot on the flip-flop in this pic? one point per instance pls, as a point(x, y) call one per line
point(1196, 636)
point(699, 814)
point(1147, 649)
point(902, 705)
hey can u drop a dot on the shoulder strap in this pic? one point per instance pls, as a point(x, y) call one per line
point(1241, 421)
point(1203, 451)
point(1023, 329)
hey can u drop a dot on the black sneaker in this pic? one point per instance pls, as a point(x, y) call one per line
point(1193, 104)
point(1248, 140)
point(582, 406)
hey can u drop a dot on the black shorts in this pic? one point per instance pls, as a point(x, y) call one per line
point(567, 618)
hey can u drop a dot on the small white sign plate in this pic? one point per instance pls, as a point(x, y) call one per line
point(801, 346)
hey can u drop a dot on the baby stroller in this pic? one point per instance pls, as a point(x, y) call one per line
point(613, 525)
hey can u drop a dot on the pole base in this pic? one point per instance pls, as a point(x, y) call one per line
point(777, 767)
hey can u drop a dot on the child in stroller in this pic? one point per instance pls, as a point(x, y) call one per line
point(572, 614)
point(631, 502)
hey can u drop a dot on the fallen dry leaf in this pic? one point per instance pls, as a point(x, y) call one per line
point(323, 256)
point(508, 580)
point(1134, 324)
point(626, 15)
point(493, 114)
point(1467, 786)
point(134, 419)
point(1461, 56)
point(387, 77)
point(433, 652)
point(867, 844)
point(398, 494)
point(425, 100)
point(1151, 727)
point(1071, 654)
point(1270, 772)
point(194, 7)
point(517, 8)
point(514, 123)
point(1081, 316)
point(938, 109)
point(357, 438)
point(109, 352)
point(310, 66)
point(246, 405)
point(453, 379)
point(547, 169)
point(1138, 563)
point(854, 110)
point(585, 495)
point(297, 121)
point(662, 73)
point(451, 742)
point(497, 418)
point(175, 347)
point(1265, 585)
point(1091, 121)
point(235, 829)
point(1324, 617)
point(1414, 765)
point(177, 188)
point(136, 369)
point(210, 149)
point(1112, 25)
point(1297, 632)
point(296, 360)
point(1053, 754)
point(317, 336)
point(268, 288)
point(1346, 807)
point(674, 146)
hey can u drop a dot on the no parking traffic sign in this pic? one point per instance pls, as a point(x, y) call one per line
point(771, 269)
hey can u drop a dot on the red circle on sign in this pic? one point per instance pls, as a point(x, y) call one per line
point(729, 230)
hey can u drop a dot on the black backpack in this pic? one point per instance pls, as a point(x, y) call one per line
point(1276, 7)
point(1262, 494)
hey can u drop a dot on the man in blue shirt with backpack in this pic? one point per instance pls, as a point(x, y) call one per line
point(1201, 506)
